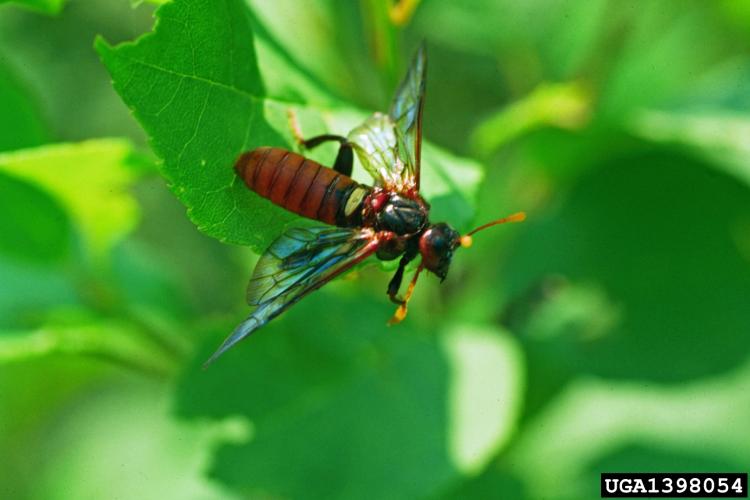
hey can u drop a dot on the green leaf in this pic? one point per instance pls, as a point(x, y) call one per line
point(90, 180)
point(712, 119)
point(195, 86)
point(113, 340)
point(659, 244)
point(45, 6)
point(35, 227)
point(26, 290)
point(494, 482)
point(33, 392)
point(563, 105)
point(310, 58)
point(21, 126)
point(342, 405)
point(540, 29)
point(478, 355)
point(121, 437)
point(669, 44)
point(608, 425)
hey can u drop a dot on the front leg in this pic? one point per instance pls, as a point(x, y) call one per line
point(412, 250)
point(400, 313)
point(395, 284)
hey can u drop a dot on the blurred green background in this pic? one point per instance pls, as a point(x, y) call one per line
point(609, 332)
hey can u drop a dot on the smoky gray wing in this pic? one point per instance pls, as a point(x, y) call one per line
point(389, 146)
point(378, 147)
point(299, 261)
point(406, 111)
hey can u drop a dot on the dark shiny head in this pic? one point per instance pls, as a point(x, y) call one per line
point(437, 245)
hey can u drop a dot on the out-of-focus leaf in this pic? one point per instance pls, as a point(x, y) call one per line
point(629, 58)
point(27, 290)
point(33, 393)
point(297, 85)
point(147, 281)
point(89, 179)
point(108, 339)
point(494, 482)
point(712, 118)
point(73, 92)
point(563, 105)
point(207, 274)
point(736, 14)
point(660, 235)
point(46, 6)
point(540, 29)
point(202, 109)
point(721, 137)
point(554, 318)
point(124, 442)
point(485, 367)
point(451, 185)
point(323, 51)
point(668, 45)
point(34, 226)
point(340, 403)
point(603, 425)
point(21, 125)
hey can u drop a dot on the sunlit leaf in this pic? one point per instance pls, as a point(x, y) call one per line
point(89, 179)
point(564, 105)
point(155, 455)
point(485, 373)
point(604, 425)
point(111, 340)
point(46, 6)
point(712, 118)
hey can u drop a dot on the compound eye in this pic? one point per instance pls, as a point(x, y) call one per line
point(438, 243)
point(436, 247)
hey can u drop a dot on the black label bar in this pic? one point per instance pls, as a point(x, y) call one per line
point(673, 485)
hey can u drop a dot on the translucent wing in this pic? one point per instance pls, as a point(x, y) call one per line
point(379, 149)
point(299, 261)
point(389, 146)
point(406, 110)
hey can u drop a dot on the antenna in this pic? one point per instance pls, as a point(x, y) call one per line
point(466, 239)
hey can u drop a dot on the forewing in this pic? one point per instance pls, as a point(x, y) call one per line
point(406, 112)
point(298, 262)
point(389, 146)
point(377, 144)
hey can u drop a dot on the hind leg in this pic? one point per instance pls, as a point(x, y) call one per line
point(345, 157)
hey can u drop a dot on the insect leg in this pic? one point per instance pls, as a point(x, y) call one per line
point(400, 313)
point(395, 283)
point(345, 157)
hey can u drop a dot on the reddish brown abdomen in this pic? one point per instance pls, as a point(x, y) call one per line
point(302, 186)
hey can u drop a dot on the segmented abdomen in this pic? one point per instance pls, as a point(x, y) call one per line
point(303, 186)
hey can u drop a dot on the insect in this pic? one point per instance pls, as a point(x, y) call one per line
point(389, 219)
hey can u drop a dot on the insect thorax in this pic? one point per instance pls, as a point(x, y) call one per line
point(401, 215)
